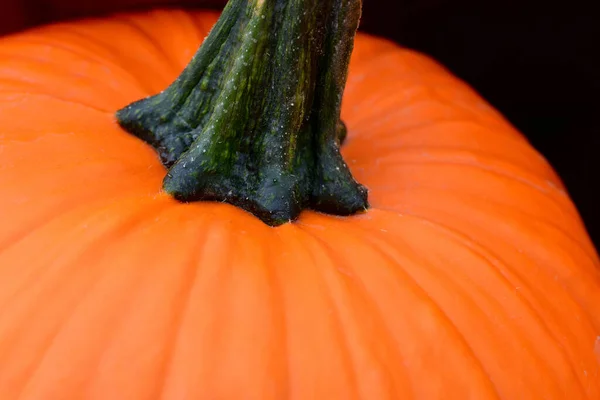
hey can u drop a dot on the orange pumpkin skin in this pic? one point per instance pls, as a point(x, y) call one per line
point(471, 277)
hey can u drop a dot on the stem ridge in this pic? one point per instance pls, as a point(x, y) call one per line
point(254, 119)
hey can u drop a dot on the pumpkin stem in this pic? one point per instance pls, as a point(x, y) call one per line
point(254, 119)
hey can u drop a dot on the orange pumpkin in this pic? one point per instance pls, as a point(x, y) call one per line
point(470, 277)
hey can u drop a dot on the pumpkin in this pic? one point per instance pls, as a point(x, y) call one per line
point(469, 276)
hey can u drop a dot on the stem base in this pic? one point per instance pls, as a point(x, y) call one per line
point(254, 119)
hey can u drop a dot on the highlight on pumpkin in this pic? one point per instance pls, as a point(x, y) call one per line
point(254, 119)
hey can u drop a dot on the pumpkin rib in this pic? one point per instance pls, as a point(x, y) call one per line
point(336, 309)
point(433, 80)
point(550, 192)
point(585, 251)
point(25, 63)
point(420, 289)
point(89, 300)
point(78, 210)
point(249, 248)
point(141, 303)
point(58, 43)
point(95, 246)
point(252, 249)
point(217, 280)
point(476, 354)
point(373, 308)
point(75, 196)
point(191, 272)
point(277, 284)
point(330, 375)
point(582, 307)
point(459, 234)
point(3, 93)
point(400, 81)
point(130, 22)
point(433, 155)
point(169, 360)
point(394, 112)
point(84, 55)
point(420, 124)
point(424, 294)
point(389, 254)
point(549, 197)
point(190, 32)
point(31, 59)
point(535, 311)
point(476, 249)
point(561, 350)
point(478, 131)
point(374, 311)
point(506, 206)
point(286, 329)
point(486, 168)
point(160, 75)
point(55, 213)
point(461, 242)
point(592, 260)
point(133, 169)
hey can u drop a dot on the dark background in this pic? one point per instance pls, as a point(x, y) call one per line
point(537, 63)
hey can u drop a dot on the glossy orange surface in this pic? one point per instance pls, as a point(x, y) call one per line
point(471, 277)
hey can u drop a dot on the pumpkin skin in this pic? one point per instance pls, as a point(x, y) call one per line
point(471, 276)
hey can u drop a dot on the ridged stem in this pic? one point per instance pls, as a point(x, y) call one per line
point(254, 119)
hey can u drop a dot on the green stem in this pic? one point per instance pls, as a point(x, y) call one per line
point(254, 119)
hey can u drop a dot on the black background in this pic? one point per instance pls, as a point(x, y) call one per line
point(537, 63)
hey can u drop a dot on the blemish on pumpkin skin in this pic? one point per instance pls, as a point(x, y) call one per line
point(597, 349)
